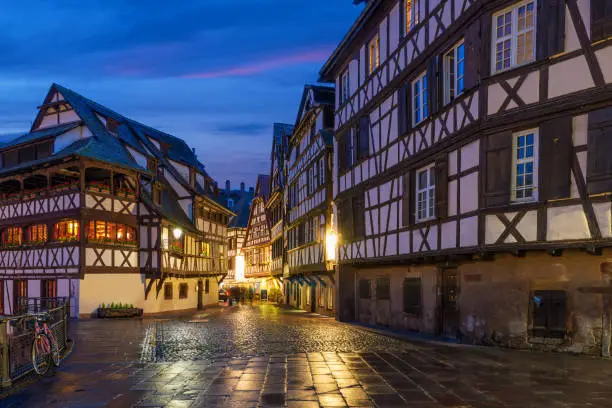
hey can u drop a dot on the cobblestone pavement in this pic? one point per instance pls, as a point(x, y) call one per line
point(250, 356)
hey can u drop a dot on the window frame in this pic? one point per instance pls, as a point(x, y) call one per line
point(414, 308)
point(168, 294)
point(345, 86)
point(429, 190)
point(380, 294)
point(183, 290)
point(516, 162)
point(513, 36)
point(454, 50)
point(373, 44)
point(423, 98)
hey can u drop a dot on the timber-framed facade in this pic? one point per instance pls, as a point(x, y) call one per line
point(309, 282)
point(98, 208)
point(471, 176)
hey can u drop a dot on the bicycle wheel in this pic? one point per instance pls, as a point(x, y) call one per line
point(55, 354)
point(41, 354)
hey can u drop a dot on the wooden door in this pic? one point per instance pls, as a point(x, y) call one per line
point(200, 294)
point(20, 290)
point(449, 309)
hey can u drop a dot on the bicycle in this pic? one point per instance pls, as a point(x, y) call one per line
point(45, 351)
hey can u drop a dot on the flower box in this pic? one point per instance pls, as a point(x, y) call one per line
point(109, 313)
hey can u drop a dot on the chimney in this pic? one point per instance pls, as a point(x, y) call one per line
point(242, 187)
point(227, 187)
point(216, 189)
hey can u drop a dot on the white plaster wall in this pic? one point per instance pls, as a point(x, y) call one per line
point(604, 56)
point(140, 159)
point(96, 289)
point(176, 186)
point(64, 140)
point(576, 69)
point(567, 223)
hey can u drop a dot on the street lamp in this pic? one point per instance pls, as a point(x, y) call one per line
point(177, 232)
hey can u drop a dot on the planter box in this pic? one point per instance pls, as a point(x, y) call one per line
point(104, 313)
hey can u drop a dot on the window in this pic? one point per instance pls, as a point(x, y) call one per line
point(412, 296)
point(514, 36)
point(322, 171)
point(206, 286)
point(109, 232)
point(419, 94)
point(205, 249)
point(426, 193)
point(454, 70)
point(345, 87)
point(12, 236)
point(112, 125)
point(549, 313)
point(37, 234)
point(48, 288)
point(168, 291)
point(524, 168)
point(230, 203)
point(411, 15)
point(383, 289)
point(359, 228)
point(183, 290)
point(373, 54)
point(67, 230)
point(365, 290)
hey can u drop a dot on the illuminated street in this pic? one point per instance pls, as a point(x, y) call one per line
point(270, 356)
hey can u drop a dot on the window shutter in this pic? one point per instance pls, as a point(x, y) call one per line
point(472, 46)
point(599, 145)
point(498, 169)
point(364, 136)
point(432, 83)
point(555, 162)
point(442, 187)
point(407, 214)
point(601, 19)
point(485, 47)
point(551, 28)
point(404, 109)
point(358, 217)
point(346, 220)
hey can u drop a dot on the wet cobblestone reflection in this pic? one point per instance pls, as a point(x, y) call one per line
point(265, 356)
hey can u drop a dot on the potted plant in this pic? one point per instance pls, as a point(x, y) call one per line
point(118, 310)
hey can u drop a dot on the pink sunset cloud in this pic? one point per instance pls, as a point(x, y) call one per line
point(270, 64)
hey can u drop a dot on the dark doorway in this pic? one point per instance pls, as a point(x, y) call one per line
point(449, 310)
point(20, 290)
point(313, 298)
point(200, 294)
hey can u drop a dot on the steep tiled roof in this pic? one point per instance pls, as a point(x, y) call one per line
point(263, 186)
point(242, 209)
point(41, 134)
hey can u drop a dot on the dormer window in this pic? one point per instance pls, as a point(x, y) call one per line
point(112, 125)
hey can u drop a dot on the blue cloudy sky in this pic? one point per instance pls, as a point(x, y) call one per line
point(217, 73)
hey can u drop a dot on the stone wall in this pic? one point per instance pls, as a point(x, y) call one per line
point(494, 299)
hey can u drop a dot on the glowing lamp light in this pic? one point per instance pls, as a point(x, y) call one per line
point(239, 271)
point(331, 243)
point(177, 232)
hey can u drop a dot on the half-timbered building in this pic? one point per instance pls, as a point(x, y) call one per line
point(257, 247)
point(275, 207)
point(310, 281)
point(236, 233)
point(472, 175)
point(99, 208)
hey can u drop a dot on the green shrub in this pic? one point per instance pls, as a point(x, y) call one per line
point(275, 295)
